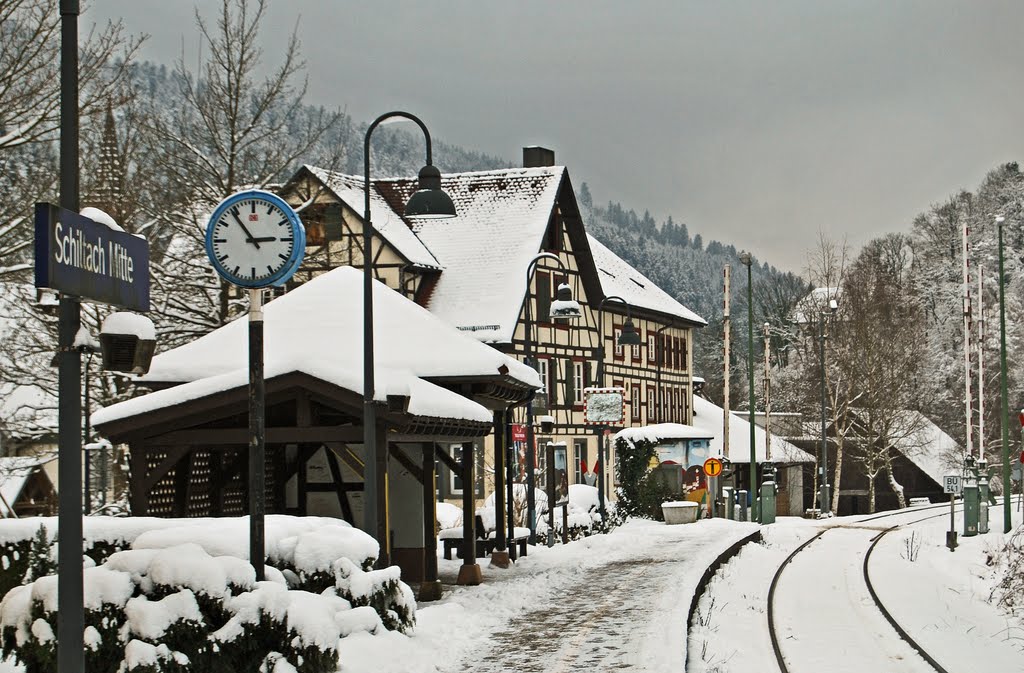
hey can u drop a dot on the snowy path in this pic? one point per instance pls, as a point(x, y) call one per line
point(825, 618)
point(614, 602)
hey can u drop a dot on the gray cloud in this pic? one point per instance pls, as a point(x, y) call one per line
point(756, 123)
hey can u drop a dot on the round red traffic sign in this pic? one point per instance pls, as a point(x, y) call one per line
point(712, 467)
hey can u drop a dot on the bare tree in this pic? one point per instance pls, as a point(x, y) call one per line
point(236, 129)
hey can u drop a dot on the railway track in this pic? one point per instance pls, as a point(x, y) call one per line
point(927, 659)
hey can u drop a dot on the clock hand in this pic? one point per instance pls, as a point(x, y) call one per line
point(262, 239)
point(252, 240)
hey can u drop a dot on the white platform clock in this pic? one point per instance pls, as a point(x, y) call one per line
point(255, 239)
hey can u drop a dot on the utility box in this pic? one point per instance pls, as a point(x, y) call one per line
point(971, 510)
point(983, 496)
point(730, 502)
point(767, 502)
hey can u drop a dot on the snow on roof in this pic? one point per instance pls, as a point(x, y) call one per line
point(708, 417)
point(387, 223)
point(928, 447)
point(813, 303)
point(316, 329)
point(14, 474)
point(661, 431)
point(487, 247)
point(619, 278)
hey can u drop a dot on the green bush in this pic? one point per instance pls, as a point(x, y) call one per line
point(640, 492)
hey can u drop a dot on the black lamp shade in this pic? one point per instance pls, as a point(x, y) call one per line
point(565, 307)
point(430, 201)
point(629, 336)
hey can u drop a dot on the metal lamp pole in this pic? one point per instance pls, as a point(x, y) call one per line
point(602, 441)
point(430, 201)
point(531, 450)
point(824, 501)
point(1004, 416)
point(747, 260)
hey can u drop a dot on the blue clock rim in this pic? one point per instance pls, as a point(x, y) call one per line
point(298, 231)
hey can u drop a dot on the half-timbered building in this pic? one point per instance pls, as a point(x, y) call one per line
point(472, 271)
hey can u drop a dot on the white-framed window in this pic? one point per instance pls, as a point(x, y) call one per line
point(618, 346)
point(454, 476)
point(652, 350)
point(578, 382)
point(636, 350)
point(634, 401)
point(542, 369)
point(579, 454)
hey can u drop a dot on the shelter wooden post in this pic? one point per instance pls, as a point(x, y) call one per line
point(499, 556)
point(469, 573)
point(379, 455)
point(137, 492)
point(430, 589)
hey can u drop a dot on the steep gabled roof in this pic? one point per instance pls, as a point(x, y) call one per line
point(618, 278)
point(485, 250)
point(386, 222)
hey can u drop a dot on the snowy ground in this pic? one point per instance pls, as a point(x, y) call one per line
point(825, 617)
point(606, 602)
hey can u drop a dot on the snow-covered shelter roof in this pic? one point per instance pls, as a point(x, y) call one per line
point(316, 329)
point(14, 474)
point(663, 431)
point(707, 416)
point(814, 303)
point(617, 277)
point(386, 222)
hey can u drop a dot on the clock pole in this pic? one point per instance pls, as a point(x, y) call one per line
point(257, 478)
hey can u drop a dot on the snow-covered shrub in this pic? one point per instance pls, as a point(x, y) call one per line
point(1009, 563)
point(583, 516)
point(182, 609)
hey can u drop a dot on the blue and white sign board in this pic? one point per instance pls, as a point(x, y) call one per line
point(951, 483)
point(78, 256)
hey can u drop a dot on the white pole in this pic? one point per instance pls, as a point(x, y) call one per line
point(725, 401)
point(767, 396)
point(967, 341)
point(981, 365)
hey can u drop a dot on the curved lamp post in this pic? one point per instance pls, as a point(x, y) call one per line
point(565, 308)
point(746, 259)
point(429, 201)
point(627, 337)
point(825, 504)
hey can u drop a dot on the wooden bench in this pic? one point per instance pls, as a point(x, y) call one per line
point(520, 538)
point(451, 538)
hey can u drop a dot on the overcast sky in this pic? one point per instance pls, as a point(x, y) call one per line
point(756, 123)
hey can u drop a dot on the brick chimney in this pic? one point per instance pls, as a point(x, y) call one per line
point(536, 157)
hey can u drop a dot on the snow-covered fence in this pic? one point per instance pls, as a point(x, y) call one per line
point(185, 598)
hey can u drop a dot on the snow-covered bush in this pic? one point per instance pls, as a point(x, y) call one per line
point(584, 514)
point(170, 606)
point(1009, 564)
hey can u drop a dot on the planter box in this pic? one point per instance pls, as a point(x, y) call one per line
point(679, 512)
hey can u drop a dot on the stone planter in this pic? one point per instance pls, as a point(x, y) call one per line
point(679, 512)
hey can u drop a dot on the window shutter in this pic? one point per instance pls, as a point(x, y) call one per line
point(570, 393)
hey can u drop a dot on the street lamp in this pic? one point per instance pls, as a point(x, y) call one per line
point(747, 260)
point(1004, 420)
point(825, 504)
point(564, 308)
point(428, 202)
point(627, 337)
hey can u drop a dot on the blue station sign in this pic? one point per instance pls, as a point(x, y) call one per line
point(78, 256)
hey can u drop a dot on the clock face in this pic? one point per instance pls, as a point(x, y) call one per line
point(254, 239)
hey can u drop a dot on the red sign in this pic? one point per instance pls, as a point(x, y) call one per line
point(1022, 456)
point(1021, 417)
point(518, 433)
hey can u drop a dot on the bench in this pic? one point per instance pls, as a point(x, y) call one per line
point(451, 538)
point(520, 538)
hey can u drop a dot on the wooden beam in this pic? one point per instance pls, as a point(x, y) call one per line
point(348, 457)
point(405, 461)
point(324, 487)
point(220, 437)
point(183, 485)
point(174, 454)
point(138, 495)
point(339, 483)
point(450, 462)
